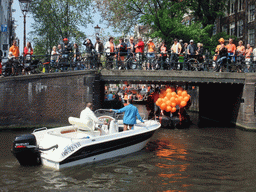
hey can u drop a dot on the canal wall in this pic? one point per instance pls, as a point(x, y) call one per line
point(45, 99)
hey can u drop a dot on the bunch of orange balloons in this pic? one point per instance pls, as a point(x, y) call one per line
point(169, 99)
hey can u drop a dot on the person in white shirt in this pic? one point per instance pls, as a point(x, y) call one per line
point(88, 115)
point(254, 55)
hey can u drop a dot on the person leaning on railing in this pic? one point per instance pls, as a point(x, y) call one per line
point(175, 52)
point(231, 50)
point(110, 51)
point(121, 51)
point(254, 55)
point(99, 48)
point(200, 52)
point(14, 53)
point(151, 53)
point(89, 48)
point(163, 53)
point(139, 49)
point(248, 53)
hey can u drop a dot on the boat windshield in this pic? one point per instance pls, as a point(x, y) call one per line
point(104, 112)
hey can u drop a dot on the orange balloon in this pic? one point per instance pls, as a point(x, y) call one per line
point(168, 108)
point(173, 104)
point(179, 99)
point(173, 110)
point(186, 98)
point(168, 90)
point(172, 99)
point(169, 95)
point(173, 94)
point(168, 103)
point(183, 103)
point(179, 92)
point(179, 89)
point(184, 93)
point(165, 99)
point(163, 106)
point(159, 101)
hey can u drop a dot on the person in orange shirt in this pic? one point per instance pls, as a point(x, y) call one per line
point(231, 47)
point(217, 50)
point(14, 49)
point(151, 53)
point(15, 52)
point(240, 49)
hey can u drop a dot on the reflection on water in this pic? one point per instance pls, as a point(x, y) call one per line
point(209, 159)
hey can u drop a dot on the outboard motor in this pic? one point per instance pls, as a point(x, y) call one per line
point(25, 150)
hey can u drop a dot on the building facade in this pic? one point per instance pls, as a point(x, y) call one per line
point(6, 22)
point(239, 20)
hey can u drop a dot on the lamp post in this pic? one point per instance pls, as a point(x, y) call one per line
point(24, 6)
point(97, 30)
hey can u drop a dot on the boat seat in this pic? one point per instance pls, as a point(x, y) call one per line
point(81, 124)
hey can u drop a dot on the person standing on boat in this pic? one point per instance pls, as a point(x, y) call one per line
point(131, 112)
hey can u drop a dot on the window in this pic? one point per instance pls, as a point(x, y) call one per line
point(251, 37)
point(240, 5)
point(240, 25)
point(232, 29)
point(225, 28)
point(226, 9)
point(232, 7)
point(251, 13)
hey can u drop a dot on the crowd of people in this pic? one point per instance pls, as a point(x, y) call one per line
point(239, 54)
point(149, 51)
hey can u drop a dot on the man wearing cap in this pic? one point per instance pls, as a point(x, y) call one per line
point(67, 47)
point(191, 49)
point(151, 53)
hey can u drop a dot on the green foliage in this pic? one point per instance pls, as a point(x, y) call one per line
point(57, 19)
point(164, 18)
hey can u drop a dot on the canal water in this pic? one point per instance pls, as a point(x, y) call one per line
point(194, 159)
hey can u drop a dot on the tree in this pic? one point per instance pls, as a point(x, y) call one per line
point(164, 18)
point(161, 16)
point(207, 11)
point(57, 19)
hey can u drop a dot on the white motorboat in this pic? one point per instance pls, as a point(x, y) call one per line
point(81, 143)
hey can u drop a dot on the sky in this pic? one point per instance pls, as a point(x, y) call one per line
point(17, 15)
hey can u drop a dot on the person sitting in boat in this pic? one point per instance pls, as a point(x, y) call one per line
point(131, 112)
point(88, 115)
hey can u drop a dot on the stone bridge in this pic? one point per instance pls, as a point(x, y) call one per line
point(49, 99)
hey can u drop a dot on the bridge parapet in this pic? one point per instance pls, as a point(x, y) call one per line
point(138, 76)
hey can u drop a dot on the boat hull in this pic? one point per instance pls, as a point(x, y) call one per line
point(96, 157)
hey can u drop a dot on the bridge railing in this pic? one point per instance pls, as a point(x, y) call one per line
point(125, 61)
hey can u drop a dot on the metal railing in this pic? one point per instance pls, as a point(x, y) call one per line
point(129, 61)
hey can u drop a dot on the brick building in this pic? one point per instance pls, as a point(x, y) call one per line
point(239, 20)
